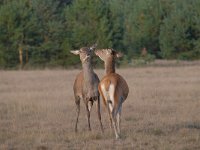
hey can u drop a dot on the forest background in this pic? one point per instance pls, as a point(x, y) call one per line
point(35, 33)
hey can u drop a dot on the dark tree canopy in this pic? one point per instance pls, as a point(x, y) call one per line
point(41, 33)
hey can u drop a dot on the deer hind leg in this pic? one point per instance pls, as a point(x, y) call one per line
point(116, 118)
point(113, 109)
point(119, 120)
point(118, 113)
point(99, 113)
point(104, 96)
point(114, 121)
point(107, 101)
point(109, 113)
point(77, 101)
point(112, 115)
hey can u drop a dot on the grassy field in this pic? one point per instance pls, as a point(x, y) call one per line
point(162, 112)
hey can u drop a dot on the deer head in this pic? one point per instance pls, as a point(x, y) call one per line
point(85, 53)
point(105, 54)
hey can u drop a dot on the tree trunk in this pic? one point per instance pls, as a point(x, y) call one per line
point(20, 56)
point(26, 56)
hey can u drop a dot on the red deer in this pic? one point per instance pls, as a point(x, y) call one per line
point(86, 85)
point(113, 88)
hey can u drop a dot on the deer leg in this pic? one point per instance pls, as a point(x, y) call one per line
point(119, 119)
point(114, 124)
point(99, 113)
point(88, 116)
point(112, 115)
point(77, 101)
point(109, 113)
point(118, 115)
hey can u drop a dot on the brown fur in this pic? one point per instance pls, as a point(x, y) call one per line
point(86, 85)
point(81, 90)
point(121, 89)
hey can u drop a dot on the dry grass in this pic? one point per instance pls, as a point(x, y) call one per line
point(37, 111)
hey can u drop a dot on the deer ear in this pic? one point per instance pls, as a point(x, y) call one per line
point(119, 54)
point(93, 46)
point(75, 52)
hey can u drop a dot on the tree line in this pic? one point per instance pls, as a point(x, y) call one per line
point(41, 33)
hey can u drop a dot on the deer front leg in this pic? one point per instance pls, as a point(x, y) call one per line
point(88, 108)
point(99, 113)
point(77, 101)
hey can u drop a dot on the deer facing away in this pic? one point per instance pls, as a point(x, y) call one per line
point(86, 85)
point(113, 88)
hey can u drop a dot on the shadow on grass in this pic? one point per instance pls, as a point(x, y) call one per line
point(185, 125)
point(192, 125)
point(42, 147)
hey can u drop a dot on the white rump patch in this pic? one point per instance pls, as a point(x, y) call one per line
point(109, 95)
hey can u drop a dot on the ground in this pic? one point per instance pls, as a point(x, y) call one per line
point(162, 111)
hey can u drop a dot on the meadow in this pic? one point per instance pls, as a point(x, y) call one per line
point(162, 111)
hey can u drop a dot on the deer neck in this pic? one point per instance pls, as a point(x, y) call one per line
point(110, 66)
point(87, 72)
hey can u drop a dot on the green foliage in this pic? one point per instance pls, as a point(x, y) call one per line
point(142, 26)
point(141, 61)
point(88, 22)
point(47, 30)
point(50, 32)
point(14, 18)
point(180, 32)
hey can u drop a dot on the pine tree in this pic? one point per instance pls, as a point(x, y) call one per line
point(14, 24)
point(142, 23)
point(180, 33)
point(50, 31)
point(87, 22)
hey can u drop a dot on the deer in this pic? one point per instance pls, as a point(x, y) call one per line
point(113, 88)
point(86, 85)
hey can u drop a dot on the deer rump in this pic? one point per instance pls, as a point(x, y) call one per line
point(114, 90)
